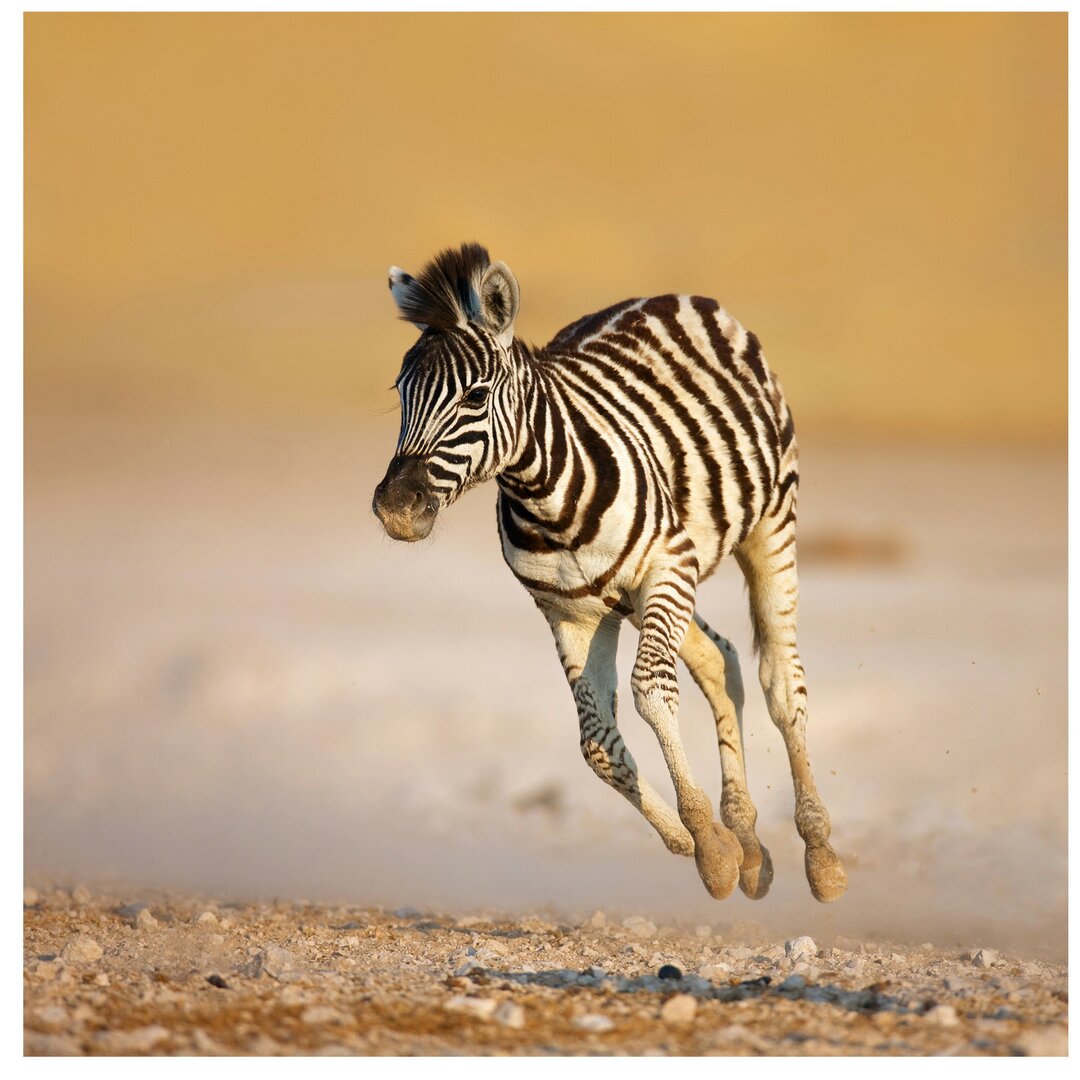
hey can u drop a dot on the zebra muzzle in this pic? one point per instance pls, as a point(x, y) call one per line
point(404, 501)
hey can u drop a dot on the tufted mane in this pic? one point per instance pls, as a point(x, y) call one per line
point(446, 293)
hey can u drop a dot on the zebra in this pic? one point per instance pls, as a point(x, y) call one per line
point(633, 453)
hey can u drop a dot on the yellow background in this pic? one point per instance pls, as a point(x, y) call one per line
point(212, 200)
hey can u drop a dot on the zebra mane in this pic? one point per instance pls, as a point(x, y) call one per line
point(446, 293)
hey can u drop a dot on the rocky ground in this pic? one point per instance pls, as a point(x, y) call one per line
point(113, 974)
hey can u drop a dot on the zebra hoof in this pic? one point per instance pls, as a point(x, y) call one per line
point(729, 841)
point(825, 872)
point(757, 872)
point(718, 856)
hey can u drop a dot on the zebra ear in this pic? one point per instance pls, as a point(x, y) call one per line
point(404, 289)
point(499, 301)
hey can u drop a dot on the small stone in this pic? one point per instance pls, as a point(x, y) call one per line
point(669, 971)
point(510, 1015)
point(794, 982)
point(1049, 1041)
point(703, 931)
point(204, 1044)
point(30, 896)
point(984, 958)
point(207, 918)
point(406, 913)
point(275, 962)
point(80, 894)
point(597, 972)
point(101, 979)
point(322, 1014)
point(218, 981)
point(51, 1045)
point(53, 1016)
point(144, 919)
point(140, 1040)
point(714, 971)
point(640, 927)
point(131, 911)
point(593, 1022)
point(800, 949)
point(597, 921)
point(81, 950)
point(679, 1009)
point(740, 952)
point(943, 1016)
point(481, 1008)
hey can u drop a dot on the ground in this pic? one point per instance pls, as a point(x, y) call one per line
point(179, 974)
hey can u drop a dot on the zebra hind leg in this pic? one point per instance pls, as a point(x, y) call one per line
point(663, 616)
point(768, 561)
point(714, 665)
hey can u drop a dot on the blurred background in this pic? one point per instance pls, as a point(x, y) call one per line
point(234, 682)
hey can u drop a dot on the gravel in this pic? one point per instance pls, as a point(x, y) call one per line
point(286, 979)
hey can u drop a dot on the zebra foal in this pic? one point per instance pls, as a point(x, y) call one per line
point(632, 453)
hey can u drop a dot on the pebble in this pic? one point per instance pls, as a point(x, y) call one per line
point(640, 927)
point(800, 949)
point(406, 913)
point(274, 961)
point(80, 894)
point(597, 972)
point(794, 982)
point(51, 1045)
point(101, 979)
point(481, 1008)
point(131, 911)
point(740, 952)
point(30, 897)
point(81, 950)
point(593, 1022)
point(1050, 1041)
point(703, 931)
point(943, 1016)
point(984, 958)
point(322, 1014)
point(52, 1015)
point(597, 922)
point(669, 971)
point(510, 1015)
point(218, 981)
point(140, 1040)
point(207, 918)
point(679, 1009)
point(144, 919)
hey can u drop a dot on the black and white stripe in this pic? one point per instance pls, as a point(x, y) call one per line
point(633, 453)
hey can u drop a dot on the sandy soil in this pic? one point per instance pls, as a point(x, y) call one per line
point(185, 975)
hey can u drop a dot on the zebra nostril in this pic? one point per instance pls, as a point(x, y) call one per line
point(420, 501)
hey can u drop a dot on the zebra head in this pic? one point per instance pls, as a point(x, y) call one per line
point(460, 387)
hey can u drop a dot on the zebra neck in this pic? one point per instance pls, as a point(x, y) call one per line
point(557, 466)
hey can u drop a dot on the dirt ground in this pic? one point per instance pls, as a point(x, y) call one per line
point(178, 974)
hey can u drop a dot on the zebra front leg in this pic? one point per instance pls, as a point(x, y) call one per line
point(587, 651)
point(714, 664)
point(664, 612)
point(767, 558)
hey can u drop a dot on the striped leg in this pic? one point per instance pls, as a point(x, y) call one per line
point(587, 650)
point(714, 664)
point(665, 603)
point(767, 558)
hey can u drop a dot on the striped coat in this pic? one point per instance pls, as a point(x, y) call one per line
point(633, 453)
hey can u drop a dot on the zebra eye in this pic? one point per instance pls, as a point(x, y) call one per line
point(477, 395)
